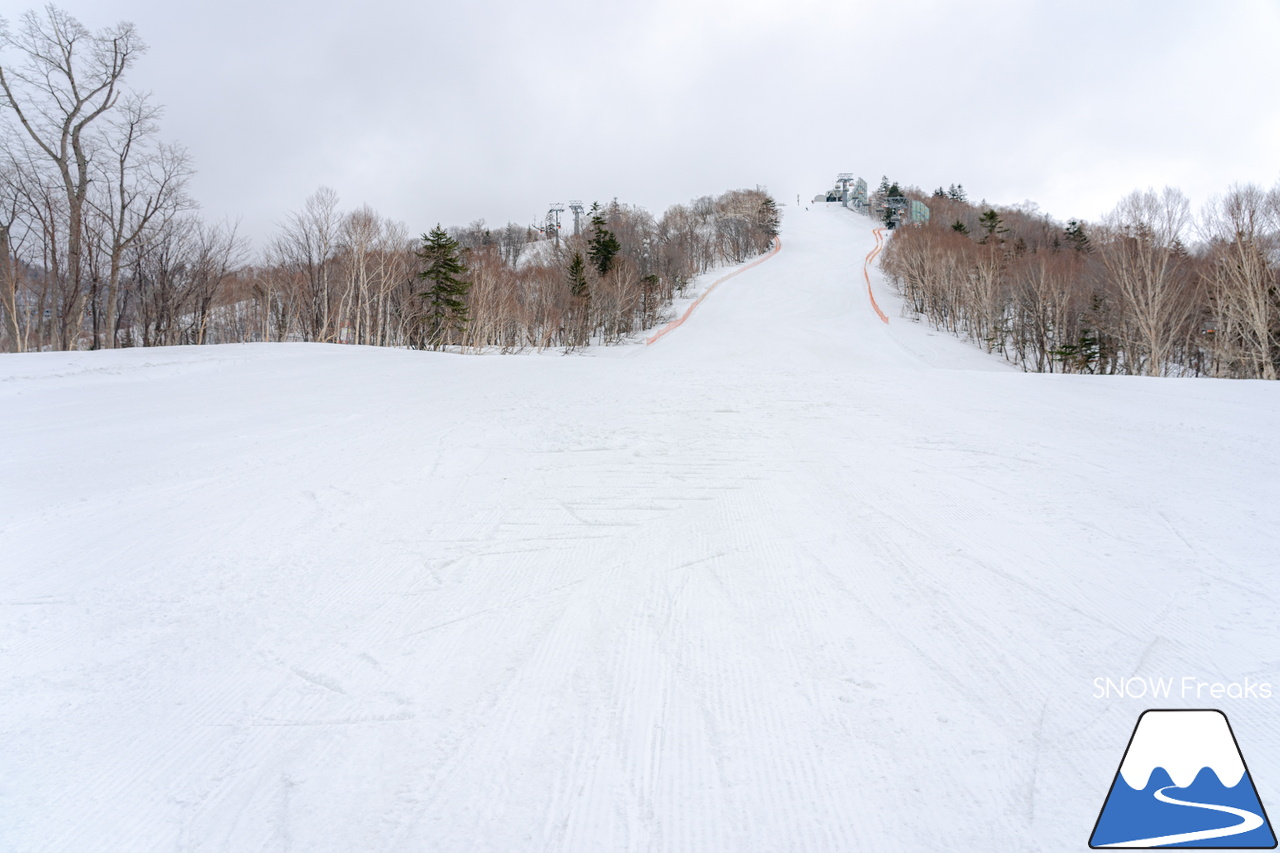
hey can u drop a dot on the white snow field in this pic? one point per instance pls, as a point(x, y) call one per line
point(790, 579)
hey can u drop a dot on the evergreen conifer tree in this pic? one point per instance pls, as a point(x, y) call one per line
point(577, 276)
point(445, 297)
point(577, 330)
point(990, 221)
point(1076, 238)
point(603, 246)
point(769, 217)
point(960, 227)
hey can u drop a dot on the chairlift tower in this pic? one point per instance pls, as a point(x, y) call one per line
point(576, 207)
point(843, 180)
point(553, 221)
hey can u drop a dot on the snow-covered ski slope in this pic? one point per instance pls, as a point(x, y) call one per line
point(790, 579)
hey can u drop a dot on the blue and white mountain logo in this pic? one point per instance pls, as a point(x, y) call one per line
point(1183, 783)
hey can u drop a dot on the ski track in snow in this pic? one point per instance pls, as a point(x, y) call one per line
point(791, 579)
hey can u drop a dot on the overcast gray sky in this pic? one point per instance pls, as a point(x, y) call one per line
point(451, 112)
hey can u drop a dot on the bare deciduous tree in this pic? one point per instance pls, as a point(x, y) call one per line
point(66, 79)
point(1144, 259)
point(1243, 232)
point(306, 248)
point(144, 185)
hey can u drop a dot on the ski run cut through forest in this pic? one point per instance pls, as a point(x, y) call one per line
point(790, 578)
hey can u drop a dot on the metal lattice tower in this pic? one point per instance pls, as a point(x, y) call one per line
point(553, 221)
point(576, 207)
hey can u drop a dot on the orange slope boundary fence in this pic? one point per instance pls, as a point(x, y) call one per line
point(676, 323)
point(871, 256)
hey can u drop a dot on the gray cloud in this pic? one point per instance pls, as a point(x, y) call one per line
point(452, 112)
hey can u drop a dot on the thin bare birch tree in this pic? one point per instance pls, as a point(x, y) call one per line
point(1144, 260)
point(1243, 232)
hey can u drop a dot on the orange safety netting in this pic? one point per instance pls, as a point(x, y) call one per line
point(674, 324)
point(871, 256)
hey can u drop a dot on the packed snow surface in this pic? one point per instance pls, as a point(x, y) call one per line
point(790, 579)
